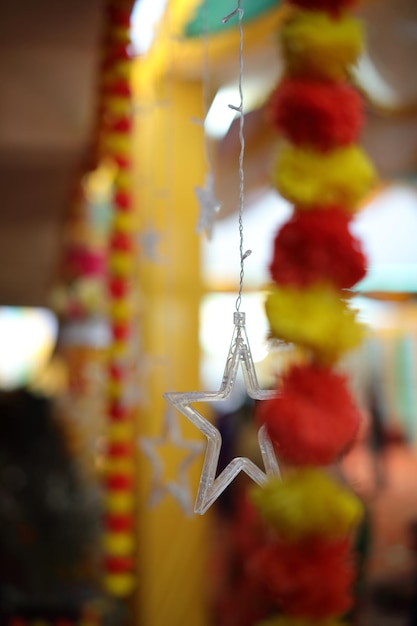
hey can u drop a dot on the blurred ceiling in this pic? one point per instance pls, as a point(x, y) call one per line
point(48, 58)
point(48, 61)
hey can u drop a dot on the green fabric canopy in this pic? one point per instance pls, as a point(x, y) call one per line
point(209, 14)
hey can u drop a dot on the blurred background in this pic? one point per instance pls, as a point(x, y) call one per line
point(54, 330)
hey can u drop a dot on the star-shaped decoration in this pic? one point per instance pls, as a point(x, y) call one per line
point(148, 241)
point(211, 487)
point(209, 206)
point(179, 489)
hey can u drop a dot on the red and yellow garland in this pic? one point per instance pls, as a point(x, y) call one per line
point(305, 568)
point(114, 143)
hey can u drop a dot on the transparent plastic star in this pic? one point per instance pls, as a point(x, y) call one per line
point(148, 242)
point(209, 206)
point(179, 489)
point(211, 487)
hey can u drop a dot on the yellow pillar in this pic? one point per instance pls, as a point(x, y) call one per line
point(169, 163)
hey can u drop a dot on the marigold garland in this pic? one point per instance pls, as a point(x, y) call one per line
point(297, 621)
point(316, 113)
point(308, 503)
point(315, 318)
point(308, 178)
point(317, 245)
point(311, 578)
point(113, 142)
point(298, 417)
point(333, 7)
point(316, 45)
point(304, 563)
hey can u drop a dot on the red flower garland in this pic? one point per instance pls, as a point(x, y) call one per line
point(334, 7)
point(316, 246)
point(308, 579)
point(316, 113)
point(298, 418)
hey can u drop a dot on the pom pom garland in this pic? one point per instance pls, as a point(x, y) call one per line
point(304, 565)
point(285, 620)
point(308, 178)
point(314, 318)
point(315, 246)
point(334, 7)
point(308, 503)
point(313, 419)
point(311, 578)
point(317, 114)
point(314, 45)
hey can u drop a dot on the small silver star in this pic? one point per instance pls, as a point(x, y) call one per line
point(209, 206)
point(180, 489)
point(211, 487)
point(148, 242)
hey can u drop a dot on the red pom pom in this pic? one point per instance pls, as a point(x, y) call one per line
point(119, 449)
point(334, 7)
point(121, 125)
point(118, 287)
point(119, 564)
point(319, 114)
point(119, 412)
point(123, 201)
point(119, 522)
point(308, 579)
point(313, 419)
point(315, 246)
point(119, 482)
point(121, 241)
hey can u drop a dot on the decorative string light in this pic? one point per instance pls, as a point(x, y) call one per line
point(210, 487)
point(208, 204)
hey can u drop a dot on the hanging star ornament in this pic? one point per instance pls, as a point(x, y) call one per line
point(180, 489)
point(211, 487)
point(149, 242)
point(209, 206)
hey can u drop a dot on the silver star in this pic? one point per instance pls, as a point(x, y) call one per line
point(211, 487)
point(180, 489)
point(209, 206)
point(148, 241)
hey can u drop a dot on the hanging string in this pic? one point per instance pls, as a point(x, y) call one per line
point(243, 255)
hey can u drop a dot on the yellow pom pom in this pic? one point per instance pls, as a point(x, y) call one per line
point(308, 178)
point(124, 222)
point(123, 180)
point(118, 544)
point(112, 466)
point(122, 431)
point(286, 620)
point(314, 44)
point(315, 318)
point(308, 503)
point(117, 143)
point(121, 263)
point(120, 311)
point(115, 389)
point(119, 585)
point(118, 105)
point(119, 502)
